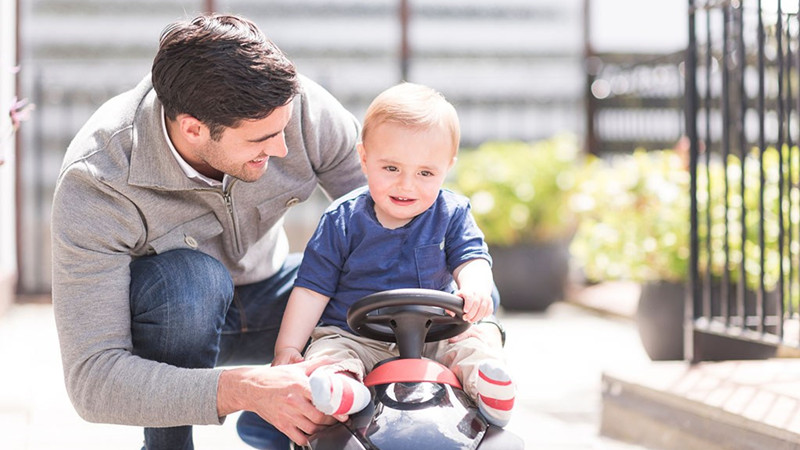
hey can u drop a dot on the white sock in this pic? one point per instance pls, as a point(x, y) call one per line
point(495, 393)
point(337, 393)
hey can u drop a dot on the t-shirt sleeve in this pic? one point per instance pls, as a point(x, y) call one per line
point(464, 240)
point(324, 257)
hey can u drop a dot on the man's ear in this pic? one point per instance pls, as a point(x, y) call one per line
point(192, 129)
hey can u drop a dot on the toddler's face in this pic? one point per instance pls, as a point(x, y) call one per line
point(405, 168)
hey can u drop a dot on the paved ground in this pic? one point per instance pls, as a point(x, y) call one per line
point(557, 356)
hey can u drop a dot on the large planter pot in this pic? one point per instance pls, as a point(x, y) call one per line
point(531, 277)
point(660, 317)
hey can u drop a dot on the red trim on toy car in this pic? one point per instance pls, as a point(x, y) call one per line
point(411, 370)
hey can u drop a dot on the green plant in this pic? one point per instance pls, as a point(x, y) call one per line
point(715, 177)
point(633, 216)
point(520, 191)
point(634, 222)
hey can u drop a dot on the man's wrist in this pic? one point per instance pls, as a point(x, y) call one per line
point(228, 386)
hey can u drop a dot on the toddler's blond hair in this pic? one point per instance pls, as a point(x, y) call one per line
point(415, 106)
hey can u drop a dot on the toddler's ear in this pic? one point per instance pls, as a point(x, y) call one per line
point(452, 162)
point(362, 154)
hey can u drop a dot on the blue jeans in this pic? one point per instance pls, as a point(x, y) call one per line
point(186, 312)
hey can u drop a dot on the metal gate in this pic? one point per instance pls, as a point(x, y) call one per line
point(742, 104)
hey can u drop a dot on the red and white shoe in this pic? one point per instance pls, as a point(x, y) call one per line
point(337, 393)
point(495, 393)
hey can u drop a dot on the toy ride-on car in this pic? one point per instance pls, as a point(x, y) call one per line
point(416, 402)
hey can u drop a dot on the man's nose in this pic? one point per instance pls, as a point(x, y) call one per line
point(277, 147)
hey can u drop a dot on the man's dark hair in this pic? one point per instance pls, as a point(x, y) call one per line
point(221, 69)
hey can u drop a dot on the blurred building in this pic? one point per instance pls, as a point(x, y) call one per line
point(8, 56)
point(513, 68)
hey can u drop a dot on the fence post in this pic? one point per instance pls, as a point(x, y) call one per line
point(405, 46)
point(691, 132)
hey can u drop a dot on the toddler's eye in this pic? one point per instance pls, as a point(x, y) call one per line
point(390, 168)
point(426, 173)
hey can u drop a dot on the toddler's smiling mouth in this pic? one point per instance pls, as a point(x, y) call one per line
point(402, 200)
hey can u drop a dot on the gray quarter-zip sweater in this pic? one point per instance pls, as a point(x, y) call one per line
point(121, 194)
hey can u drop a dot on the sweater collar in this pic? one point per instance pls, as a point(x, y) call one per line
point(152, 162)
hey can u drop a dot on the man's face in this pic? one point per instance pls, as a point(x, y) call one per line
point(243, 152)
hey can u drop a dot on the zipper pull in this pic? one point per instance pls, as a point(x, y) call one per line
point(228, 202)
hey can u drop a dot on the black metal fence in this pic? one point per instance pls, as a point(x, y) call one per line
point(742, 103)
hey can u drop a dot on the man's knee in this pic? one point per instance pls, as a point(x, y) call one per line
point(181, 273)
point(178, 300)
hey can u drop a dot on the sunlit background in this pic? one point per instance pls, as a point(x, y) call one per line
point(515, 69)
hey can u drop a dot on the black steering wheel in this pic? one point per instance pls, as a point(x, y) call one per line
point(409, 317)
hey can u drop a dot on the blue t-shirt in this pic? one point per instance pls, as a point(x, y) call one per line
point(352, 255)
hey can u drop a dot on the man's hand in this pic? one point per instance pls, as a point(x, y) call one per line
point(280, 395)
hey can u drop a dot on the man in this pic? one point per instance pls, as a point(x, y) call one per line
point(169, 254)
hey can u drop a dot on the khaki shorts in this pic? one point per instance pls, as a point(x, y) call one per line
point(359, 355)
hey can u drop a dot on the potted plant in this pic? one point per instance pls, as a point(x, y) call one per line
point(634, 225)
point(520, 198)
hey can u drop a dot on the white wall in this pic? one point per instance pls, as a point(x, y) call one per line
point(646, 26)
point(8, 262)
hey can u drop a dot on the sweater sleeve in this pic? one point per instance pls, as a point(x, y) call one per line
point(94, 229)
